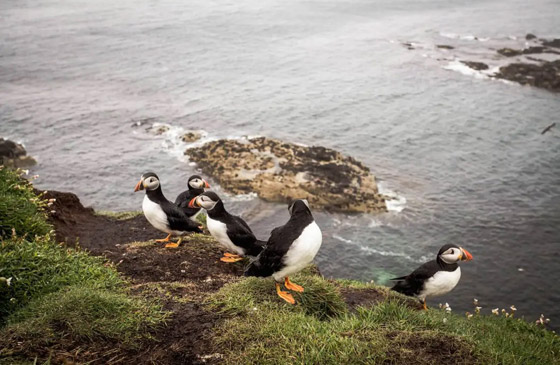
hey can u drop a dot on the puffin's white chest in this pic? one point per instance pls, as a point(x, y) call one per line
point(441, 283)
point(155, 215)
point(302, 251)
point(218, 230)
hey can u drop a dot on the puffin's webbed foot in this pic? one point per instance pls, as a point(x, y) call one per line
point(424, 306)
point(166, 239)
point(230, 257)
point(291, 286)
point(284, 294)
point(174, 245)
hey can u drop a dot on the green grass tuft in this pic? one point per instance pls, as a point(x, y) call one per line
point(41, 267)
point(20, 208)
point(119, 215)
point(82, 314)
point(263, 329)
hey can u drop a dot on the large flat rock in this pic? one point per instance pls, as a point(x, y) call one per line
point(279, 171)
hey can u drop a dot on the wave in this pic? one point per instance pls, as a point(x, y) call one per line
point(397, 202)
point(464, 37)
point(372, 250)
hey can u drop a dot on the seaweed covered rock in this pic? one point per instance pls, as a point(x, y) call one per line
point(14, 154)
point(545, 75)
point(279, 171)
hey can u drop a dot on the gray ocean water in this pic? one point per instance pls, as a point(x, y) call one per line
point(463, 153)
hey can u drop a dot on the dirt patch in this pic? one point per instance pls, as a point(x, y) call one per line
point(179, 278)
point(427, 347)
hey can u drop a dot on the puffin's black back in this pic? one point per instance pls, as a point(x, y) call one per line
point(281, 238)
point(237, 229)
point(183, 199)
point(414, 283)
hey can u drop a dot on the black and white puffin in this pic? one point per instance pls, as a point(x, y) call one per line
point(436, 277)
point(163, 214)
point(232, 232)
point(289, 249)
point(196, 186)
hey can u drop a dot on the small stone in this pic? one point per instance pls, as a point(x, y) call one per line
point(530, 36)
point(191, 137)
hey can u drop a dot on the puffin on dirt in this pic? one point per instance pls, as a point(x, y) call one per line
point(163, 214)
point(436, 277)
point(231, 231)
point(289, 249)
point(196, 185)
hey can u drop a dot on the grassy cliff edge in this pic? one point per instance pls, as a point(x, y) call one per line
point(139, 298)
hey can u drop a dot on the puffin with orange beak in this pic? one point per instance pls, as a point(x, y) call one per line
point(434, 278)
point(163, 214)
point(231, 231)
point(196, 186)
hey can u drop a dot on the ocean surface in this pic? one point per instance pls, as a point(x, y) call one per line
point(81, 81)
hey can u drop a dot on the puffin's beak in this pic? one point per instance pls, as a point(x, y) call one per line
point(139, 186)
point(194, 203)
point(466, 256)
point(206, 185)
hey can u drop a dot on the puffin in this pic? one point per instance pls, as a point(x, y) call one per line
point(232, 232)
point(163, 214)
point(289, 249)
point(436, 277)
point(196, 186)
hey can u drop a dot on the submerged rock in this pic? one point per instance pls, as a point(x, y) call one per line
point(545, 75)
point(479, 66)
point(530, 36)
point(14, 154)
point(191, 137)
point(553, 43)
point(444, 46)
point(279, 171)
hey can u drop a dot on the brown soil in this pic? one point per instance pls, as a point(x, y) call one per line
point(181, 278)
point(355, 298)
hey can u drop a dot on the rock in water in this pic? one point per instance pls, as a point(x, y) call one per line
point(479, 66)
point(14, 154)
point(545, 75)
point(279, 171)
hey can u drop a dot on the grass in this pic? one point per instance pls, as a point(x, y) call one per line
point(58, 295)
point(262, 329)
point(119, 215)
point(21, 210)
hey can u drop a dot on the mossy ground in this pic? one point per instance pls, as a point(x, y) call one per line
point(142, 303)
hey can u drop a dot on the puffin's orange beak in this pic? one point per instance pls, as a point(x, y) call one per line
point(194, 203)
point(139, 186)
point(466, 255)
point(206, 185)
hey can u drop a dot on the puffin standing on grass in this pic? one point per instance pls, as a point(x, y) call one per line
point(232, 232)
point(434, 278)
point(163, 214)
point(196, 186)
point(289, 249)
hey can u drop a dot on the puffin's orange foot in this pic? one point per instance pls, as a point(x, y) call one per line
point(291, 286)
point(166, 239)
point(231, 259)
point(172, 245)
point(227, 254)
point(424, 306)
point(285, 295)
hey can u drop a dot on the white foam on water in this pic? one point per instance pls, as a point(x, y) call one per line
point(460, 67)
point(172, 141)
point(242, 197)
point(397, 202)
point(372, 250)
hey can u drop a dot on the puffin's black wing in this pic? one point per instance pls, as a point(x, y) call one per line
point(241, 235)
point(183, 199)
point(414, 283)
point(270, 259)
point(178, 221)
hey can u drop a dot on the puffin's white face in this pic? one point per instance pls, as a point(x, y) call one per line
point(151, 183)
point(203, 201)
point(198, 183)
point(455, 254)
